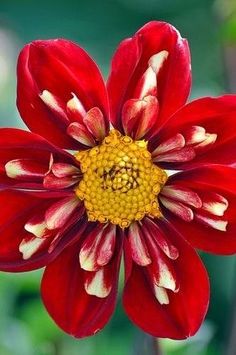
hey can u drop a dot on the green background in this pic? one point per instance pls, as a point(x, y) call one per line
point(98, 26)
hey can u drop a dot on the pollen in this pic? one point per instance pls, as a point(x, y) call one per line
point(120, 183)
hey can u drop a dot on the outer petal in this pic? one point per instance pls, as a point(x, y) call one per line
point(32, 151)
point(186, 310)
point(217, 117)
point(131, 61)
point(64, 295)
point(19, 208)
point(63, 69)
point(215, 179)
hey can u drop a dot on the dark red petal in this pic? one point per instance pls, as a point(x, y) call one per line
point(63, 69)
point(204, 181)
point(51, 182)
point(19, 209)
point(97, 248)
point(186, 310)
point(216, 116)
point(64, 295)
point(19, 144)
point(130, 61)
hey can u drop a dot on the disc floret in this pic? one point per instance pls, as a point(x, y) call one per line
point(120, 183)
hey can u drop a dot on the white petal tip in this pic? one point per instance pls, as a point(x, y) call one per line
point(161, 295)
point(29, 247)
point(96, 286)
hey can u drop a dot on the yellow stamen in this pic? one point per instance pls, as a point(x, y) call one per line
point(120, 184)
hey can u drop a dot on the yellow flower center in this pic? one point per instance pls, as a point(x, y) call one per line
point(120, 183)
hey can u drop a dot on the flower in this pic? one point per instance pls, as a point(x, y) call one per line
point(91, 183)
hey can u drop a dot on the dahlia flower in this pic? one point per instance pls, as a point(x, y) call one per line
point(90, 185)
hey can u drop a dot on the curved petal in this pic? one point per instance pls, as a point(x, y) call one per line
point(23, 245)
point(50, 74)
point(207, 128)
point(175, 315)
point(158, 46)
point(25, 158)
point(72, 300)
point(213, 228)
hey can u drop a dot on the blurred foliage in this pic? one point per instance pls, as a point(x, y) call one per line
point(227, 12)
point(98, 26)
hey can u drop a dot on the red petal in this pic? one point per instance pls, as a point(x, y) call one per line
point(19, 209)
point(58, 214)
point(62, 170)
point(66, 300)
point(51, 182)
point(137, 245)
point(182, 194)
point(178, 208)
point(98, 248)
point(139, 116)
point(80, 134)
point(214, 115)
point(131, 60)
point(172, 144)
point(95, 123)
point(63, 69)
point(33, 152)
point(185, 310)
point(25, 169)
point(208, 181)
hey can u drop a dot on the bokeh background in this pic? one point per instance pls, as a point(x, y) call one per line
point(98, 26)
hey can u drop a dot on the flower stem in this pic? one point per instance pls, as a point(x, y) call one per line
point(156, 346)
point(147, 345)
point(232, 335)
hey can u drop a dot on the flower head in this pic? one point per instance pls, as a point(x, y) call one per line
point(92, 182)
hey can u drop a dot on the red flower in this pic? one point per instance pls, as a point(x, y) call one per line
point(76, 212)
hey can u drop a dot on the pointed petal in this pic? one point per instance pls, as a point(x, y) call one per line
point(161, 312)
point(161, 240)
point(80, 134)
point(25, 169)
point(20, 250)
point(209, 125)
point(57, 215)
point(137, 245)
point(182, 194)
point(106, 250)
point(49, 73)
point(25, 158)
point(213, 229)
point(146, 49)
point(98, 248)
point(178, 208)
point(62, 170)
point(88, 251)
point(51, 182)
point(139, 116)
point(172, 144)
point(72, 308)
point(123, 65)
point(182, 155)
point(95, 123)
